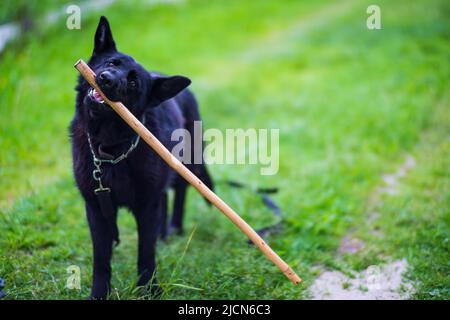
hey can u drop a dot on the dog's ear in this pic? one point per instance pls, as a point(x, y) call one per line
point(103, 41)
point(163, 88)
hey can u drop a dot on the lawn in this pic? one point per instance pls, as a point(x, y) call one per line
point(351, 104)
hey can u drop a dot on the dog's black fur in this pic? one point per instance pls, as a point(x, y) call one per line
point(140, 182)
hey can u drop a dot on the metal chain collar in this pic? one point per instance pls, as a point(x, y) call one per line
point(97, 172)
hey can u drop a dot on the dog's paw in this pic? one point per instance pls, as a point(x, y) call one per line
point(91, 297)
point(174, 230)
point(169, 232)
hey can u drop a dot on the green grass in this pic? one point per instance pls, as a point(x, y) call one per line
point(350, 105)
point(415, 224)
point(16, 10)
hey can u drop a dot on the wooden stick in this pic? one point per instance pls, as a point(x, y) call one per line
point(179, 167)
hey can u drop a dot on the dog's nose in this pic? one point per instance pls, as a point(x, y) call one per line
point(106, 78)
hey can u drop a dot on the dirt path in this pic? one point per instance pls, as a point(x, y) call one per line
point(377, 282)
point(384, 282)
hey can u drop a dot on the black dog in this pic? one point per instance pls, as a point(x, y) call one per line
point(112, 169)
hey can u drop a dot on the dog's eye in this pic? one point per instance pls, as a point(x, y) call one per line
point(114, 63)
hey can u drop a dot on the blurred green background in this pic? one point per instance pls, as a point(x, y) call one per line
point(351, 105)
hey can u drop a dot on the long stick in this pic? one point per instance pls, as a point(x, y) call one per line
point(179, 167)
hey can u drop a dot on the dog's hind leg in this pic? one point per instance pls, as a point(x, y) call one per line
point(205, 177)
point(176, 223)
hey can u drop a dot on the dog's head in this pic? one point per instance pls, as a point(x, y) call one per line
point(121, 78)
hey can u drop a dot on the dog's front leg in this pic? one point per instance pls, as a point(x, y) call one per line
point(102, 240)
point(148, 223)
